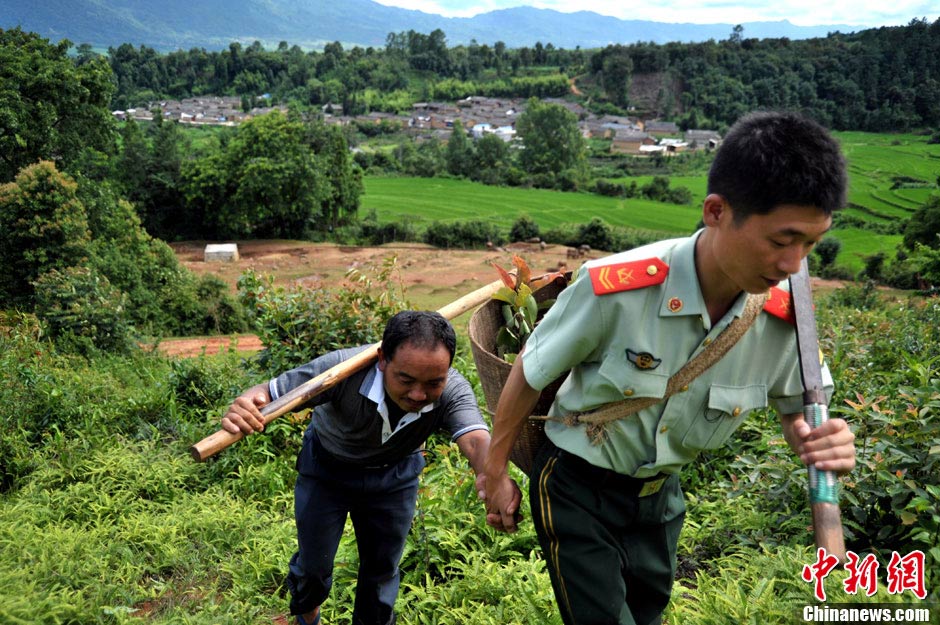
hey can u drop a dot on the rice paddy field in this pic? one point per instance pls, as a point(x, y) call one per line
point(890, 176)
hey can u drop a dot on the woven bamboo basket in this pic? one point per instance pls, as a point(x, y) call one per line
point(493, 371)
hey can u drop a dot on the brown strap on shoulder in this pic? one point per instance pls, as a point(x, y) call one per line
point(596, 419)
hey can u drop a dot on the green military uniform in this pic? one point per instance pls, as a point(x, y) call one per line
point(627, 324)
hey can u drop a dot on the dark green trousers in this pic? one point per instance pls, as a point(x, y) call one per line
point(611, 553)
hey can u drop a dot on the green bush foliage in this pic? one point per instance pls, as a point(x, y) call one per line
point(43, 226)
point(105, 519)
point(597, 233)
point(296, 324)
point(53, 107)
point(924, 225)
point(465, 234)
point(523, 229)
point(78, 256)
point(827, 251)
point(83, 310)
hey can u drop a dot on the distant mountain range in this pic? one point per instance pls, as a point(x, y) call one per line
point(213, 24)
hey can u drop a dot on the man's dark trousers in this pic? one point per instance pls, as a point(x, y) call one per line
point(611, 553)
point(381, 503)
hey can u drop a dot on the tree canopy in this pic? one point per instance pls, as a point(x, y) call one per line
point(552, 140)
point(881, 79)
point(51, 108)
point(273, 176)
point(43, 226)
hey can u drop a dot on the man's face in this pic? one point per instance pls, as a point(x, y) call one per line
point(763, 250)
point(415, 376)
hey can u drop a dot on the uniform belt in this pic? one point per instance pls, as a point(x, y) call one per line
point(643, 486)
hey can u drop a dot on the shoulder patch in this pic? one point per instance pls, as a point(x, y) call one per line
point(636, 274)
point(778, 305)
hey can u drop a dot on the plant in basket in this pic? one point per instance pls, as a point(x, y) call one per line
point(498, 331)
point(520, 308)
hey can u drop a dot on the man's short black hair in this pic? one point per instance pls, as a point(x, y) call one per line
point(769, 159)
point(419, 328)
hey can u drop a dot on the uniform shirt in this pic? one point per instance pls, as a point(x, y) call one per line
point(600, 338)
point(352, 422)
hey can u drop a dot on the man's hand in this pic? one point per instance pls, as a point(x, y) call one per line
point(830, 447)
point(502, 498)
point(244, 415)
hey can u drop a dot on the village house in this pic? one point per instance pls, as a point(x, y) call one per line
point(574, 107)
point(607, 126)
point(660, 128)
point(631, 142)
point(673, 146)
point(497, 112)
point(506, 133)
point(331, 109)
point(703, 139)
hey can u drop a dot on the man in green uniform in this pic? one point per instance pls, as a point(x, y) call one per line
point(606, 503)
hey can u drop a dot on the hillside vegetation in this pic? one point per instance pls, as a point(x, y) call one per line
point(104, 518)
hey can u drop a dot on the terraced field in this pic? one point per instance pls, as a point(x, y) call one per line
point(890, 177)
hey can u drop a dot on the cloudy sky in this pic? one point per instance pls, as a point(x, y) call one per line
point(802, 12)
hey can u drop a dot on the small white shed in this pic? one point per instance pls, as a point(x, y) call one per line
point(221, 253)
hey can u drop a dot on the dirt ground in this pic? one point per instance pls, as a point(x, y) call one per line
point(431, 277)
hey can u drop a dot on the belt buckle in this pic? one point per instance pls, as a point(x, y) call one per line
point(652, 487)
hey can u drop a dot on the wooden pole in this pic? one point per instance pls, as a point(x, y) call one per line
point(221, 439)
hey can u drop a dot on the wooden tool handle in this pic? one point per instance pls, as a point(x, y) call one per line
point(221, 439)
point(215, 443)
point(827, 527)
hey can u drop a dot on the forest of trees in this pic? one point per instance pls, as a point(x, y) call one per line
point(883, 79)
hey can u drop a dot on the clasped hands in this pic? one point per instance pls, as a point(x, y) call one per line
point(502, 498)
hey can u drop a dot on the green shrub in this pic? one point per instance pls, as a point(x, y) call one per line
point(859, 296)
point(610, 189)
point(463, 235)
point(297, 324)
point(827, 251)
point(597, 234)
point(43, 226)
point(82, 311)
point(197, 305)
point(564, 234)
point(523, 229)
point(628, 238)
point(373, 233)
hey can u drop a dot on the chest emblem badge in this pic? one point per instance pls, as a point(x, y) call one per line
point(674, 305)
point(643, 360)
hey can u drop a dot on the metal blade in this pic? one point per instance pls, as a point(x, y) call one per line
point(823, 485)
point(807, 339)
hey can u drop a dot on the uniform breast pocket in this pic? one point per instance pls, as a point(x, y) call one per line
point(725, 410)
point(621, 380)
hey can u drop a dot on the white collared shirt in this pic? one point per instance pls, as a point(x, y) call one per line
point(377, 394)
